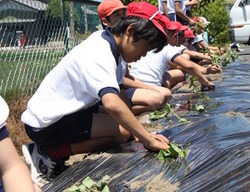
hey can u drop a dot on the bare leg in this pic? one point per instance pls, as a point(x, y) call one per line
point(172, 77)
point(105, 132)
point(147, 100)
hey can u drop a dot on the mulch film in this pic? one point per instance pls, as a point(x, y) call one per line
point(218, 157)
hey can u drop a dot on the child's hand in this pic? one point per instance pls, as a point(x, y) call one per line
point(213, 68)
point(157, 142)
point(208, 87)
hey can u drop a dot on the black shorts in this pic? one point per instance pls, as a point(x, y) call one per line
point(130, 92)
point(72, 128)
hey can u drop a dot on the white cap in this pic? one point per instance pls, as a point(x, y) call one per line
point(205, 20)
point(4, 112)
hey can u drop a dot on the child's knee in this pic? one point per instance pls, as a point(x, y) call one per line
point(158, 101)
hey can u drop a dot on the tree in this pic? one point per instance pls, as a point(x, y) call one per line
point(215, 11)
point(54, 14)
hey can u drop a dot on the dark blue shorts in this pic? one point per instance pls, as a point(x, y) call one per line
point(3, 133)
point(130, 92)
point(171, 16)
point(72, 128)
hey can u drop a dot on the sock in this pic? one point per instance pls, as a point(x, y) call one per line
point(62, 151)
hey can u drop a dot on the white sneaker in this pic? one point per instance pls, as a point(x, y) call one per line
point(42, 168)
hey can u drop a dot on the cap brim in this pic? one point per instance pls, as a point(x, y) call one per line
point(160, 27)
point(183, 28)
point(171, 27)
point(117, 8)
point(4, 111)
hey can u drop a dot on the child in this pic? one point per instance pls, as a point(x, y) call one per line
point(110, 11)
point(195, 56)
point(14, 173)
point(199, 44)
point(151, 69)
point(61, 116)
point(141, 97)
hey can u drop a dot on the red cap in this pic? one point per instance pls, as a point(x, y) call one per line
point(179, 26)
point(169, 24)
point(107, 7)
point(189, 34)
point(147, 11)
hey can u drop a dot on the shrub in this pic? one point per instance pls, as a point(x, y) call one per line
point(217, 14)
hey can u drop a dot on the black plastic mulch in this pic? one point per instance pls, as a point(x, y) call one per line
point(218, 155)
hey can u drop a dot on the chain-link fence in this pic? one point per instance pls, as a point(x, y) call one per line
point(35, 35)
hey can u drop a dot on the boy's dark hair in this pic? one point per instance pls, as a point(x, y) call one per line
point(142, 29)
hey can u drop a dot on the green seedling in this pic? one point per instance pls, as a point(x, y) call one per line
point(89, 185)
point(156, 115)
point(223, 59)
point(196, 89)
point(173, 152)
point(200, 108)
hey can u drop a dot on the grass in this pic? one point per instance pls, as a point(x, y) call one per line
point(22, 71)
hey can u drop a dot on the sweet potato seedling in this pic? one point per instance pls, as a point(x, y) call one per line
point(159, 114)
point(89, 185)
point(173, 152)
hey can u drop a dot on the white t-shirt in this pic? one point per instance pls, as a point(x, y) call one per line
point(180, 48)
point(74, 83)
point(170, 6)
point(186, 7)
point(150, 69)
point(197, 39)
point(183, 6)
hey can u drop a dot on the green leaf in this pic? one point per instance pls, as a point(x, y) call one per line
point(103, 182)
point(200, 108)
point(160, 155)
point(88, 182)
point(173, 152)
point(156, 115)
point(82, 188)
point(183, 120)
point(105, 189)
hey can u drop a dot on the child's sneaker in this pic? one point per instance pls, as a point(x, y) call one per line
point(42, 168)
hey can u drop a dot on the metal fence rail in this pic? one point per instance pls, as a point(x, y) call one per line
point(35, 35)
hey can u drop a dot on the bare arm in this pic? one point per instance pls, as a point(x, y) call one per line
point(123, 116)
point(165, 8)
point(14, 173)
point(192, 69)
point(182, 15)
point(192, 3)
point(197, 55)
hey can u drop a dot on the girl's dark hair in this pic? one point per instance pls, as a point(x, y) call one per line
point(142, 29)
